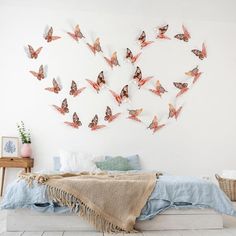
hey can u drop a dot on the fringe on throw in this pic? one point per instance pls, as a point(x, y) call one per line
point(77, 206)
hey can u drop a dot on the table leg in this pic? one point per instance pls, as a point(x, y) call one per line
point(2, 181)
point(29, 169)
point(26, 170)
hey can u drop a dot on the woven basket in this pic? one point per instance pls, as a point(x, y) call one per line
point(228, 186)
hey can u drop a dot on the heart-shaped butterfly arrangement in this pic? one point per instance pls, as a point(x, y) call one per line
point(137, 77)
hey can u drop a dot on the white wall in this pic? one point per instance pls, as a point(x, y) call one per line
point(201, 143)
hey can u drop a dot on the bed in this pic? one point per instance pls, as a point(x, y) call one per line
point(177, 202)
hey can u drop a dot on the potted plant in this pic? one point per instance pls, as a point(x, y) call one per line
point(25, 137)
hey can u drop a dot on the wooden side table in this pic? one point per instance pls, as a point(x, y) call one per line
point(16, 162)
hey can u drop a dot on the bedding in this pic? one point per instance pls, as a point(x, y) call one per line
point(93, 196)
point(170, 192)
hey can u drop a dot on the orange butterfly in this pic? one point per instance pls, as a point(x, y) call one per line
point(162, 31)
point(123, 95)
point(100, 82)
point(142, 40)
point(49, 37)
point(34, 54)
point(194, 73)
point(185, 36)
point(173, 112)
point(96, 47)
point(94, 124)
point(64, 107)
point(55, 89)
point(74, 91)
point(113, 61)
point(154, 125)
point(139, 78)
point(76, 122)
point(134, 114)
point(40, 74)
point(77, 34)
point(109, 117)
point(159, 90)
point(200, 54)
point(131, 57)
point(182, 86)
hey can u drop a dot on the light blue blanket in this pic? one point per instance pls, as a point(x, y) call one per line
point(170, 191)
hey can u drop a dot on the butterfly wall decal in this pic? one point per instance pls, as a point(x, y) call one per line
point(155, 126)
point(161, 32)
point(138, 78)
point(113, 61)
point(55, 89)
point(201, 54)
point(34, 53)
point(100, 82)
point(93, 125)
point(77, 34)
point(109, 116)
point(133, 114)
point(74, 91)
point(124, 95)
point(40, 74)
point(63, 109)
point(174, 112)
point(143, 41)
point(50, 37)
point(183, 87)
point(129, 55)
point(159, 89)
point(194, 73)
point(185, 36)
point(96, 47)
point(76, 123)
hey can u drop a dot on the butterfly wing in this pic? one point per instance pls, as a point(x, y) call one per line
point(97, 45)
point(56, 86)
point(204, 51)
point(163, 29)
point(38, 51)
point(197, 53)
point(31, 51)
point(124, 92)
point(138, 74)
point(129, 54)
point(64, 106)
point(78, 32)
point(76, 120)
point(179, 36)
point(142, 37)
point(73, 87)
point(49, 35)
point(41, 72)
point(114, 59)
point(94, 122)
point(101, 79)
point(153, 123)
point(186, 33)
point(172, 111)
point(108, 113)
point(180, 85)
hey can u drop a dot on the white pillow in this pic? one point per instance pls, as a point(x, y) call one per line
point(76, 161)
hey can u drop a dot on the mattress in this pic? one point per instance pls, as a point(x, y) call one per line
point(171, 219)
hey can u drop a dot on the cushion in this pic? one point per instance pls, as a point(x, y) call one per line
point(134, 161)
point(116, 163)
point(76, 161)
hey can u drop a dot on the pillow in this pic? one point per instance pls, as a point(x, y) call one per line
point(134, 161)
point(76, 161)
point(116, 163)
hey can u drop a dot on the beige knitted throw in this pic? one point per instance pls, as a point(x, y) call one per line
point(110, 202)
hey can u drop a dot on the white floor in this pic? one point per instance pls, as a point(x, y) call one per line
point(229, 230)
